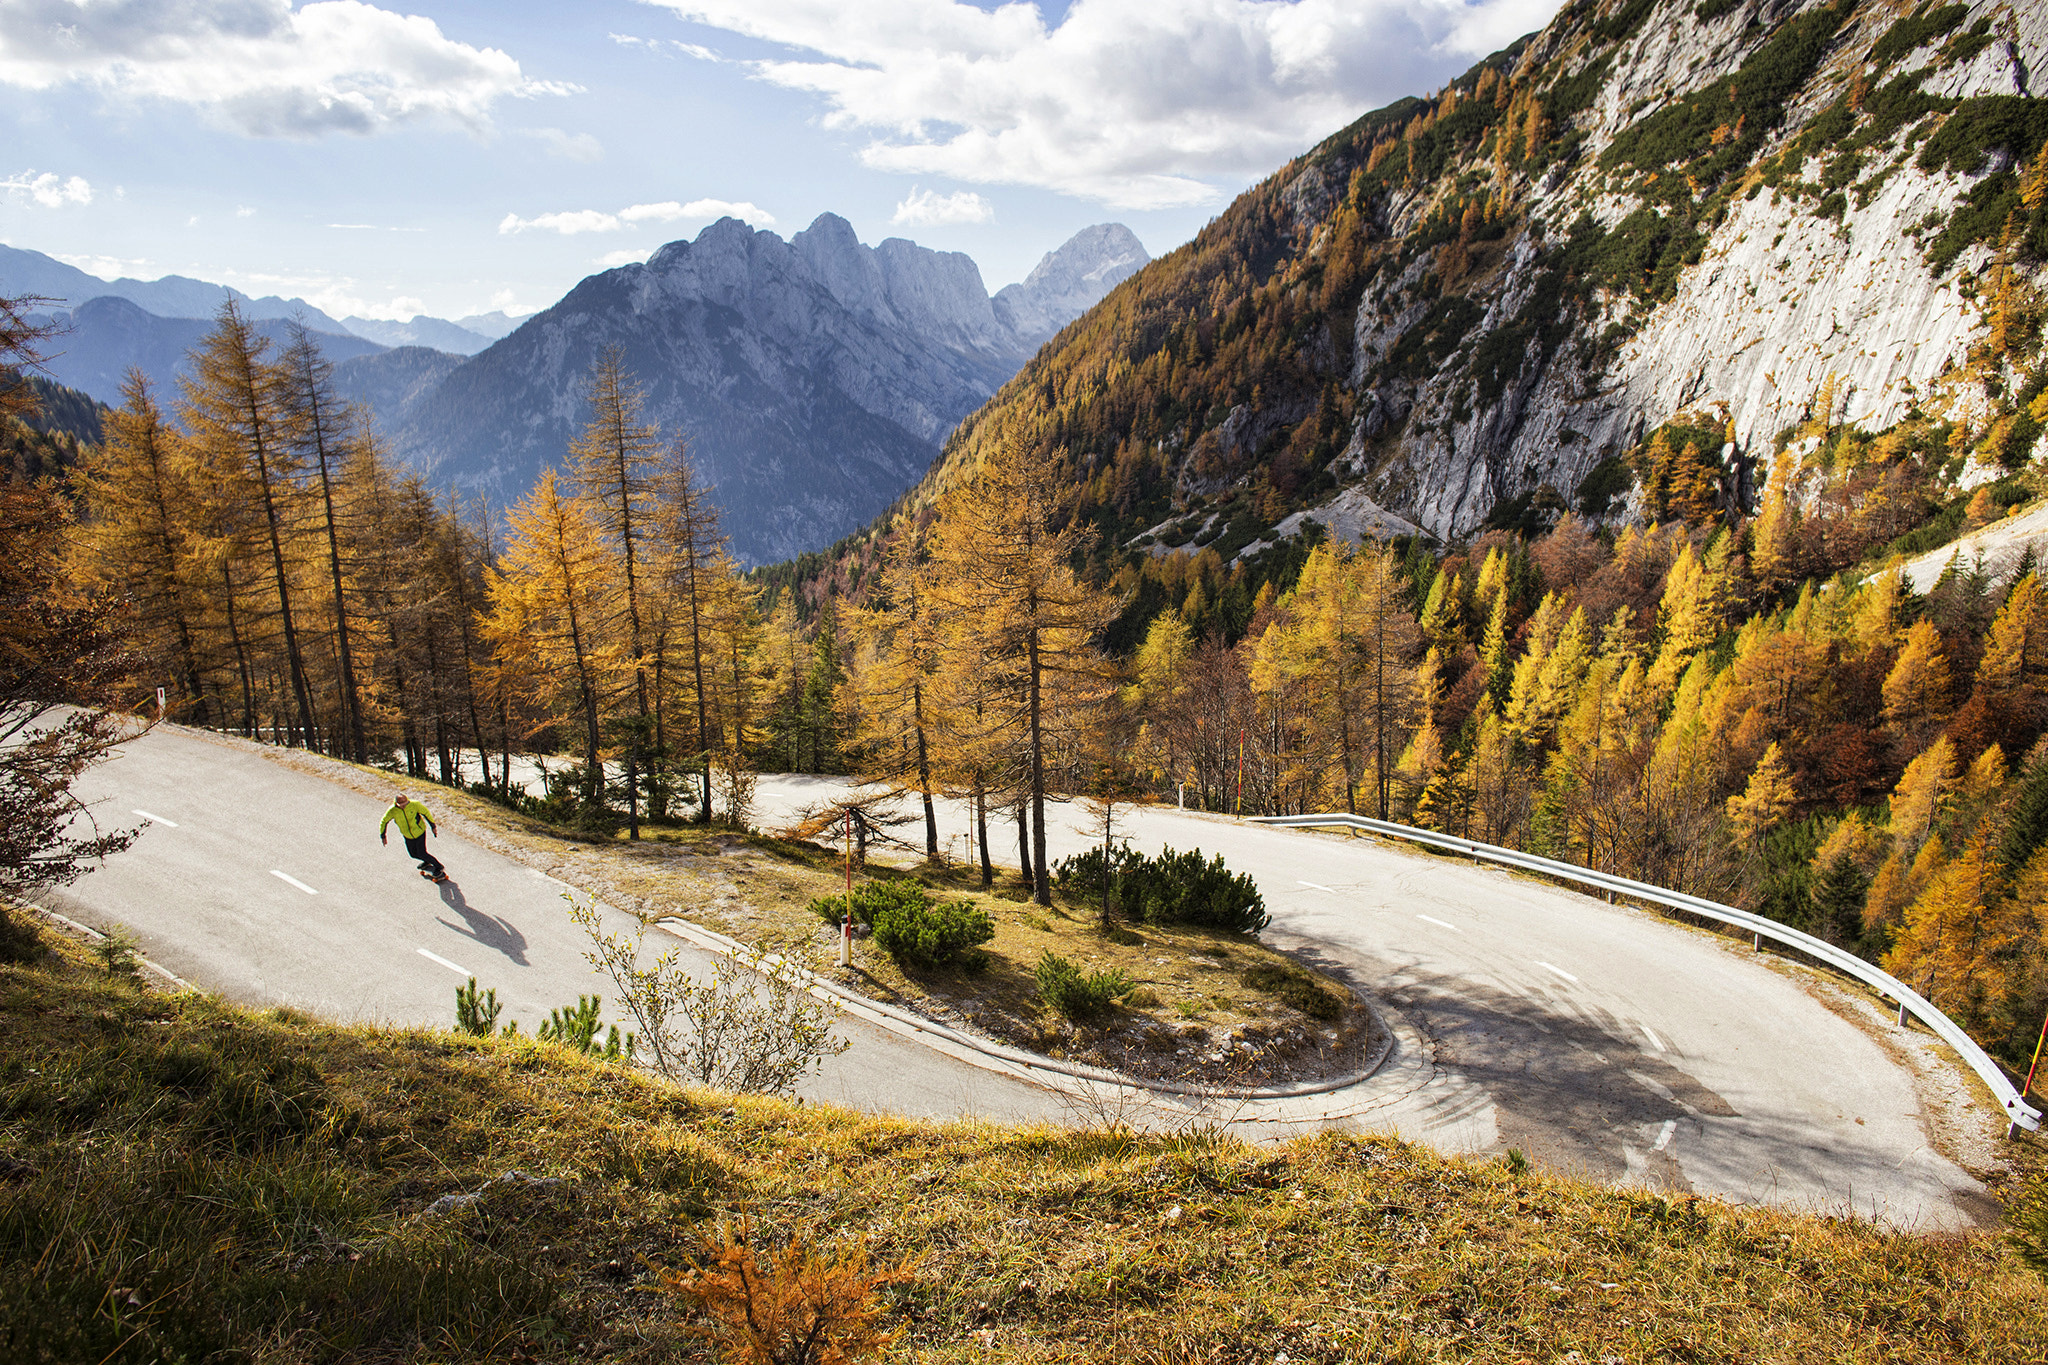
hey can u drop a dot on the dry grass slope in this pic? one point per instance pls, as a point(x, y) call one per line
point(183, 1180)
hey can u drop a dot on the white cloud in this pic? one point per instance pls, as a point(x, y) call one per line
point(49, 189)
point(666, 45)
point(571, 222)
point(261, 66)
point(568, 146)
point(107, 267)
point(929, 206)
point(338, 296)
point(630, 256)
point(568, 224)
point(244, 211)
point(1140, 104)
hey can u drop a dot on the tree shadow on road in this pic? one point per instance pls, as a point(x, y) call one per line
point(497, 934)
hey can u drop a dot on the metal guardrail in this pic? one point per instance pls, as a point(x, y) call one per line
point(2017, 1110)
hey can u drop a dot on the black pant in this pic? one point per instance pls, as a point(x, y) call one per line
point(416, 845)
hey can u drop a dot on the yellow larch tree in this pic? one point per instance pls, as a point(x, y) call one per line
point(1003, 567)
point(899, 656)
point(1764, 801)
point(613, 464)
point(135, 539)
point(1916, 691)
point(1958, 937)
point(554, 603)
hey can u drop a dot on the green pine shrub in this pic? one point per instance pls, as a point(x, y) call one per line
point(1173, 888)
point(944, 935)
point(870, 899)
point(1077, 994)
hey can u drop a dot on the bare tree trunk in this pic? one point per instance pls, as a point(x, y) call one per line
point(1042, 892)
point(1024, 844)
point(924, 775)
point(988, 871)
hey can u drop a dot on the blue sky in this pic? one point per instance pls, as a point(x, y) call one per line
point(453, 156)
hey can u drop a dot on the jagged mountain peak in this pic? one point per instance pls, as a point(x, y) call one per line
point(1069, 280)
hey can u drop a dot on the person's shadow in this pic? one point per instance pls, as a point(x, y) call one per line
point(488, 930)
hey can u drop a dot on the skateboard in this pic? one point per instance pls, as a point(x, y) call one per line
point(431, 877)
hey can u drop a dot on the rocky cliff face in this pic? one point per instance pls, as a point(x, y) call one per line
point(814, 379)
point(1471, 304)
point(1785, 291)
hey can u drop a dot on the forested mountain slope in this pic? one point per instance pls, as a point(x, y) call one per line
point(1491, 295)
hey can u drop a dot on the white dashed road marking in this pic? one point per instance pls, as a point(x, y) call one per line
point(1316, 886)
point(1559, 970)
point(288, 877)
point(1655, 1041)
point(156, 819)
point(1441, 924)
point(1664, 1135)
point(436, 957)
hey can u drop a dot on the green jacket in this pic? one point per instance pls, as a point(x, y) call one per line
point(412, 818)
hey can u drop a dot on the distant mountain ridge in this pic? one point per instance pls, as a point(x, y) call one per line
point(420, 330)
point(815, 379)
point(97, 343)
point(173, 296)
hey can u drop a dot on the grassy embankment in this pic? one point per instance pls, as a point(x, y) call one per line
point(183, 1180)
point(1209, 1005)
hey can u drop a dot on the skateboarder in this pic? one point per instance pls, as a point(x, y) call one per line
point(413, 823)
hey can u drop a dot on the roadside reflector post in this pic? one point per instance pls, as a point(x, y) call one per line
point(1756, 943)
point(1902, 1014)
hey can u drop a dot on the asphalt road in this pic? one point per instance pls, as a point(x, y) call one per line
point(268, 885)
point(1600, 1041)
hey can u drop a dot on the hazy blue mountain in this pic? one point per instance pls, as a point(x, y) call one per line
point(422, 330)
point(99, 341)
point(391, 383)
point(496, 324)
point(173, 296)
